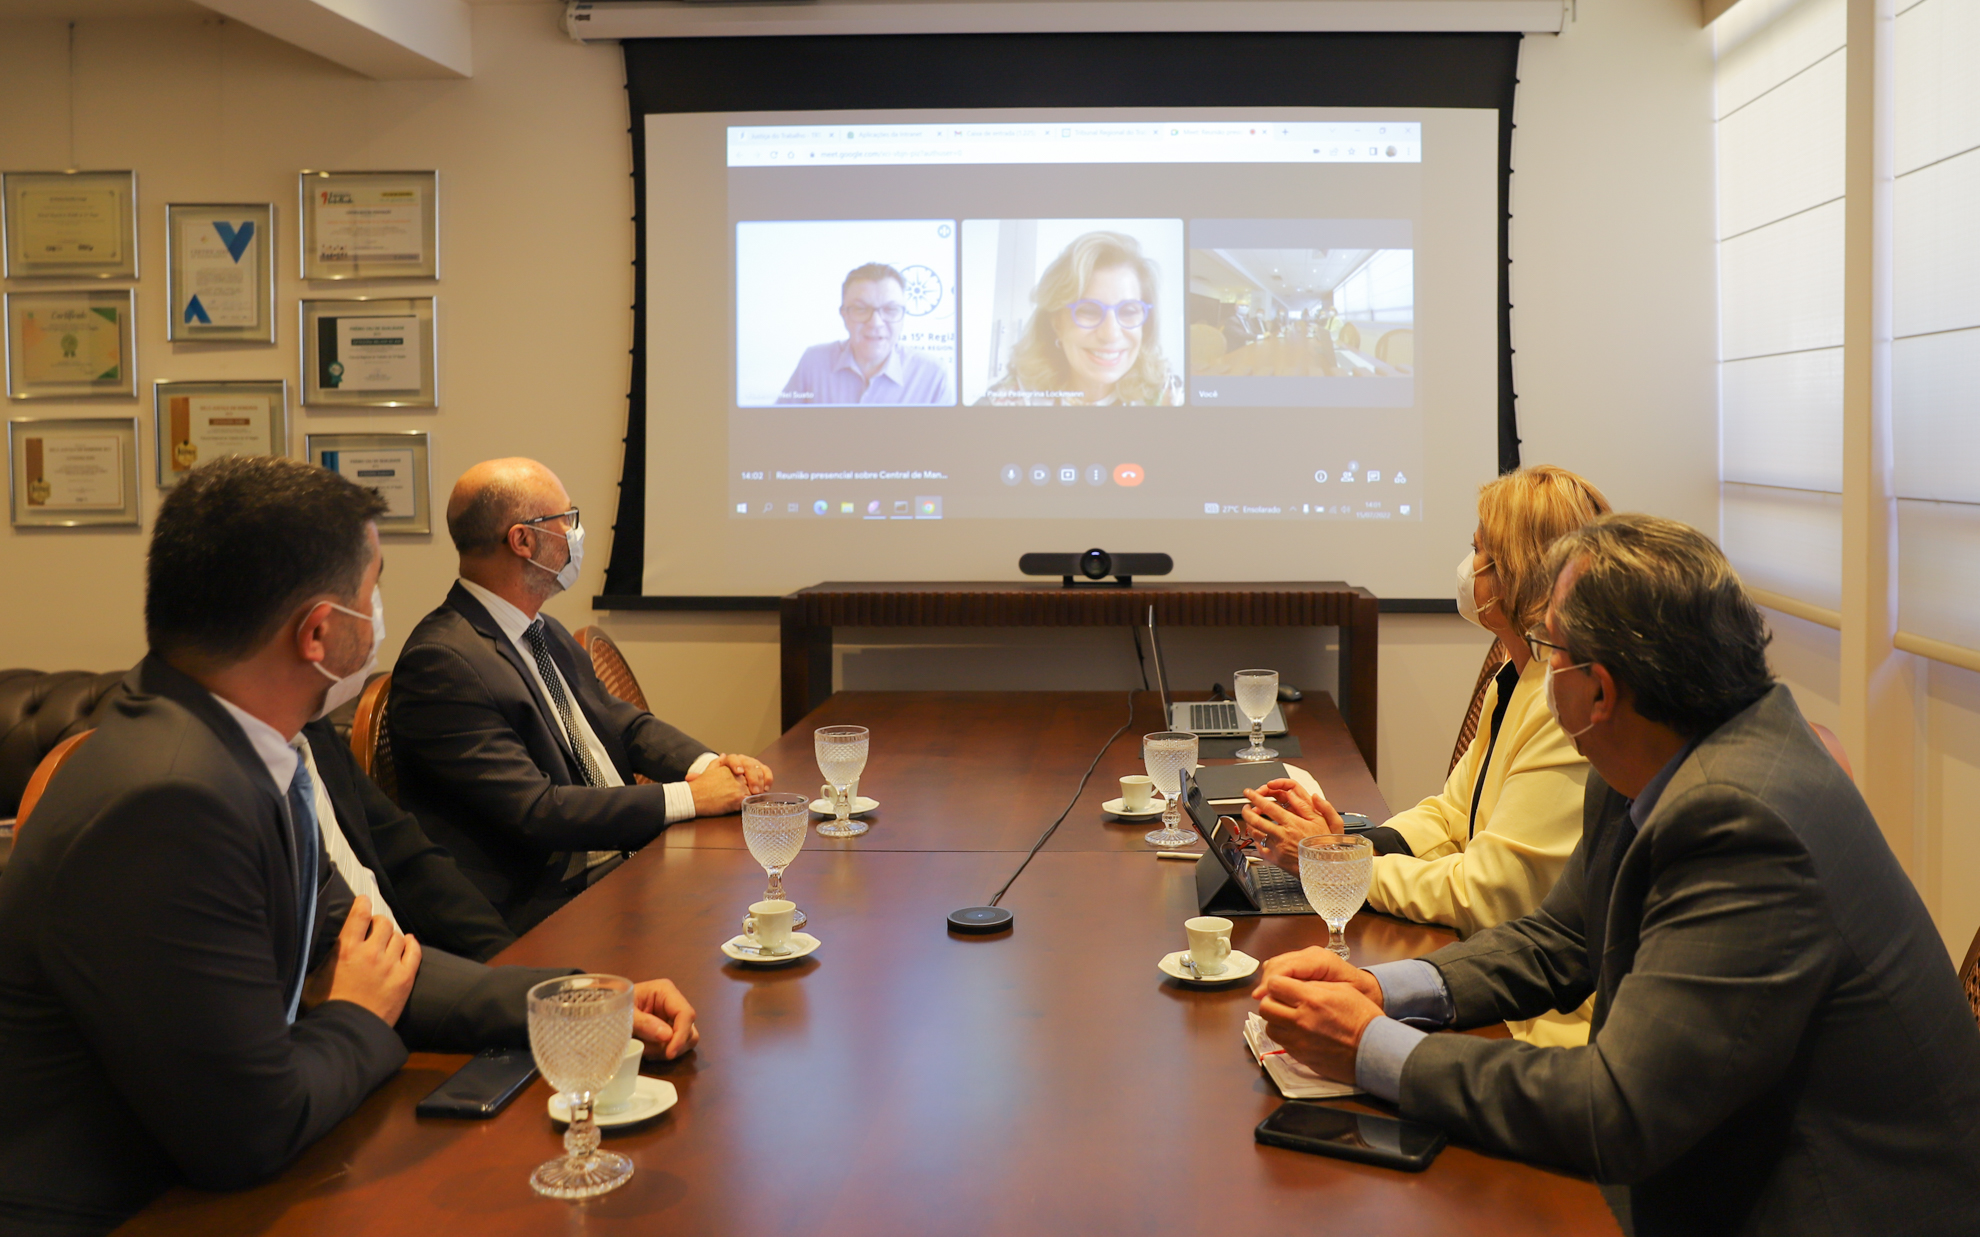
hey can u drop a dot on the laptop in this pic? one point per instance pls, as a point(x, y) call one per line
point(1216, 718)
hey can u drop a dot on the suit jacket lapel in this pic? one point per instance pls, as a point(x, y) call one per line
point(153, 677)
point(485, 625)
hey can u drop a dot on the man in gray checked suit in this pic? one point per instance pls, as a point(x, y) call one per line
point(1780, 1044)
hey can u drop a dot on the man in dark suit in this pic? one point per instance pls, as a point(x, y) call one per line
point(416, 878)
point(191, 991)
point(519, 762)
point(1780, 1045)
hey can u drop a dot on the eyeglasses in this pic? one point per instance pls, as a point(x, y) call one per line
point(558, 515)
point(1087, 315)
point(859, 311)
point(1538, 644)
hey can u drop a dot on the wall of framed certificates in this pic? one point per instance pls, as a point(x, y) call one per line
point(79, 343)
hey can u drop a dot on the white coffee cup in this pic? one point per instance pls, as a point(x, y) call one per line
point(1137, 790)
point(769, 926)
point(1209, 943)
point(618, 1093)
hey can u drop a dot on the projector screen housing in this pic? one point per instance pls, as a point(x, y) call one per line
point(718, 500)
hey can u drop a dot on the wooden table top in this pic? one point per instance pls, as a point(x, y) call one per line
point(941, 789)
point(904, 1079)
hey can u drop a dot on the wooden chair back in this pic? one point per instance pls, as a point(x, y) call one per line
point(44, 773)
point(371, 738)
point(610, 666)
point(1969, 976)
point(1495, 657)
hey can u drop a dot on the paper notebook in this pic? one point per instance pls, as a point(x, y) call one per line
point(1295, 1081)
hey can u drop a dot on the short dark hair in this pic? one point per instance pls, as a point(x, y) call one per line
point(486, 520)
point(872, 272)
point(244, 540)
point(1658, 605)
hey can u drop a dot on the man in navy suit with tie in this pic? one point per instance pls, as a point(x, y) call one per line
point(508, 747)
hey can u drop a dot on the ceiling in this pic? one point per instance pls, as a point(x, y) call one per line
point(1295, 278)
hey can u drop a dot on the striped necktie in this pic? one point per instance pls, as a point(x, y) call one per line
point(554, 684)
point(303, 828)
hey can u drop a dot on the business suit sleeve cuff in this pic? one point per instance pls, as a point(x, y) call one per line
point(680, 802)
point(1378, 1062)
point(1413, 991)
point(701, 763)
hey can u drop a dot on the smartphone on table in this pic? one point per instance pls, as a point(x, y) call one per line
point(1367, 1137)
point(482, 1087)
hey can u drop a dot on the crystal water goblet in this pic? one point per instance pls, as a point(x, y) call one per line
point(578, 1028)
point(841, 758)
point(1335, 870)
point(1168, 755)
point(1257, 691)
point(774, 826)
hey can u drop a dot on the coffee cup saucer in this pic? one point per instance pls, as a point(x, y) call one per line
point(1115, 807)
point(1240, 965)
point(861, 805)
point(803, 945)
point(650, 1098)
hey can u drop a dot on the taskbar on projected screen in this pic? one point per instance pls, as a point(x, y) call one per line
point(1070, 491)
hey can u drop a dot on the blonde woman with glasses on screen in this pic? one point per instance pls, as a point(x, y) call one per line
point(1093, 337)
point(1489, 846)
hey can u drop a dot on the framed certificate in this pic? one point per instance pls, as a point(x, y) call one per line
point(201, 421)
point(370, 225)
point(70, 225)
point(393, 463)
point(220, 272)
point(369, 352)
point(66, 472)
point(70, 344)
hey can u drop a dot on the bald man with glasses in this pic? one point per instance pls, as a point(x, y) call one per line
point(870, 365)
point(508, 748)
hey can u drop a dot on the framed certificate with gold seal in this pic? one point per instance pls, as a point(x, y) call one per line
point(67, 345)
point(67, 472)
point(202, 421)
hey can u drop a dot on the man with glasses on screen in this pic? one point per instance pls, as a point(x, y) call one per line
point(870, 365)
point(508, 748)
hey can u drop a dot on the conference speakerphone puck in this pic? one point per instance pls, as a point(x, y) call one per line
point(980, 920)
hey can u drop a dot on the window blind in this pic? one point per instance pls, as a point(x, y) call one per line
point(1935, 309)
point(1779, 85)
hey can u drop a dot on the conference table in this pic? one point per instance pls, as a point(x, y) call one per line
point(906, 1079)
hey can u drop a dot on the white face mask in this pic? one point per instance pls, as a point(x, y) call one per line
point(347, 688)
point(1467, 597)
point(1553, 706)
point(567, 575)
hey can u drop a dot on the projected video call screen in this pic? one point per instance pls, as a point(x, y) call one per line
point(1207, 316)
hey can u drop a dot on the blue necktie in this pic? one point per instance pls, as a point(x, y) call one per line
point(303, 828)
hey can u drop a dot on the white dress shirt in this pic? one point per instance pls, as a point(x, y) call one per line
point(281, 756)
point(513, 622)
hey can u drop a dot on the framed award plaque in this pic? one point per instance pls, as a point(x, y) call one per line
point(220, 272)
point(202, 421)
point(71, 344)
point(70, 225)
point(68, 472)
point(369, 352)
point(393, 463)
point(370, 225)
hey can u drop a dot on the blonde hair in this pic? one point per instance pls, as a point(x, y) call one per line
point(1519, 515)
point(1037, 364)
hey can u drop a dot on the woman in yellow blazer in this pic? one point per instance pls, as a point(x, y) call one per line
point(1489, 846)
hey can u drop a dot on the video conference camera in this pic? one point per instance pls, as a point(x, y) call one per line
point(1095, 566)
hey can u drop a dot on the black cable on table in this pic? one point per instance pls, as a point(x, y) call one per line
point(1053, 827)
